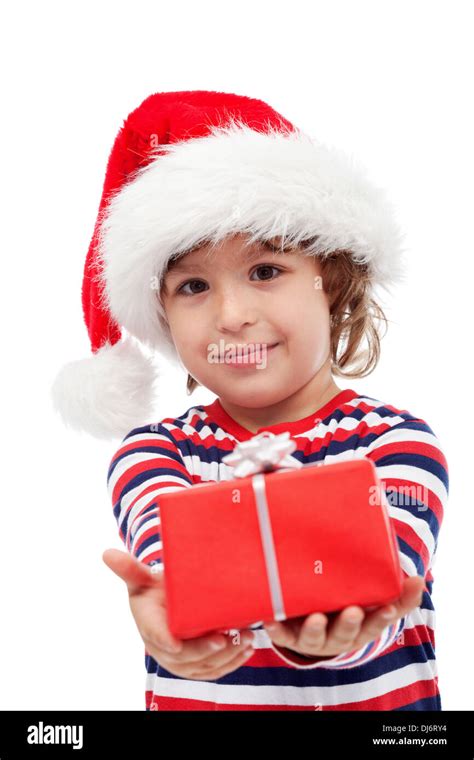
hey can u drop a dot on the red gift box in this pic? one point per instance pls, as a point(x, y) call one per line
point(277, 545)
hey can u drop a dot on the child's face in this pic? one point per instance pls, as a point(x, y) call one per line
point(234, 297)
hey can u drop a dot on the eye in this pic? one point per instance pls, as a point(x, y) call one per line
point(181, 290)
point(266, 268)
point(200, 283)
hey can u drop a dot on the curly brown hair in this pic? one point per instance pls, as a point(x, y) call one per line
point(354, 314)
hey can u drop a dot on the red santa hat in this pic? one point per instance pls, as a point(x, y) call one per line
point(192, 166)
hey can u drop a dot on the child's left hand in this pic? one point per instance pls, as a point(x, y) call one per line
point(308, 635)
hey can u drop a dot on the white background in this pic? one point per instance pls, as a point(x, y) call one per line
point(390, 82)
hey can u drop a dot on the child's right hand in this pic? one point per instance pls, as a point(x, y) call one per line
point(190, 658)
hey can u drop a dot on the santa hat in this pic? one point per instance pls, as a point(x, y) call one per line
point(188, 167)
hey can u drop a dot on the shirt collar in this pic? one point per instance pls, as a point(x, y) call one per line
point(216, 413)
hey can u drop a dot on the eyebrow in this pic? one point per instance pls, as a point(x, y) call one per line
point(250, 254)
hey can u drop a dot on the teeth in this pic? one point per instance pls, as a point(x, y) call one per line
point(238, 347)
point(251, 346)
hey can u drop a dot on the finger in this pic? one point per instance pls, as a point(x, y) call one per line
point(150, 616)
point(287, 633)
point(345, 629)
point(227, 655)
point(313, 633)
point(203, 647)
point(240, 659)
point(411, 596)
point(283, 633)
point(148, 610)
point(375, 622)
point(136, 574)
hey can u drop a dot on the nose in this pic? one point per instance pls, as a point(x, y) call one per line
point(235, 308)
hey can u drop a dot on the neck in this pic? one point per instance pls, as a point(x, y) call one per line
point(311, 397)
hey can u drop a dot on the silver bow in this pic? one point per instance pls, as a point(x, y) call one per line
point(262, 453)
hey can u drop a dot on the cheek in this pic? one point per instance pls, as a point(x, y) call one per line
point(175, 320)
point(179, 336)
point(309, 335)
point(305, 316)
point(190, 343)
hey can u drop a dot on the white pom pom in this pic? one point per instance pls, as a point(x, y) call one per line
point(108, 393)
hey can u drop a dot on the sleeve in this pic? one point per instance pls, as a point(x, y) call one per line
point(147, 463)
point(413, 474)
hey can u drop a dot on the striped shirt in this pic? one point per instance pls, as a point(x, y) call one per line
point(398, 670)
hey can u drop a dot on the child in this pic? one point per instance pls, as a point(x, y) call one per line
point(204, 192)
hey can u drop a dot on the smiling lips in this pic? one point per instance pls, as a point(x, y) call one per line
point(247, 355)
point(249, 348)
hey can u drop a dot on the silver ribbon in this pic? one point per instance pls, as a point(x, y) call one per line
point(265, 452)
point(262, 453)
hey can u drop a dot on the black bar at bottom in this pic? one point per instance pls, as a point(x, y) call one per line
point(376, 734)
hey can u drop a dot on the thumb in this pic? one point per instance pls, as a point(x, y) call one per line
point(412, 594)
point(413, 585)
point(136, 574)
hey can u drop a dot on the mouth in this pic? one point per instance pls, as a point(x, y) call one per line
point(247, 356)
point(248, 348)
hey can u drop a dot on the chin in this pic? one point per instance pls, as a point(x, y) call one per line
point(251, 398)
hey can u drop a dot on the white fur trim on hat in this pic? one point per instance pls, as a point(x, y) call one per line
point(237, 180)
point(108, 393)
